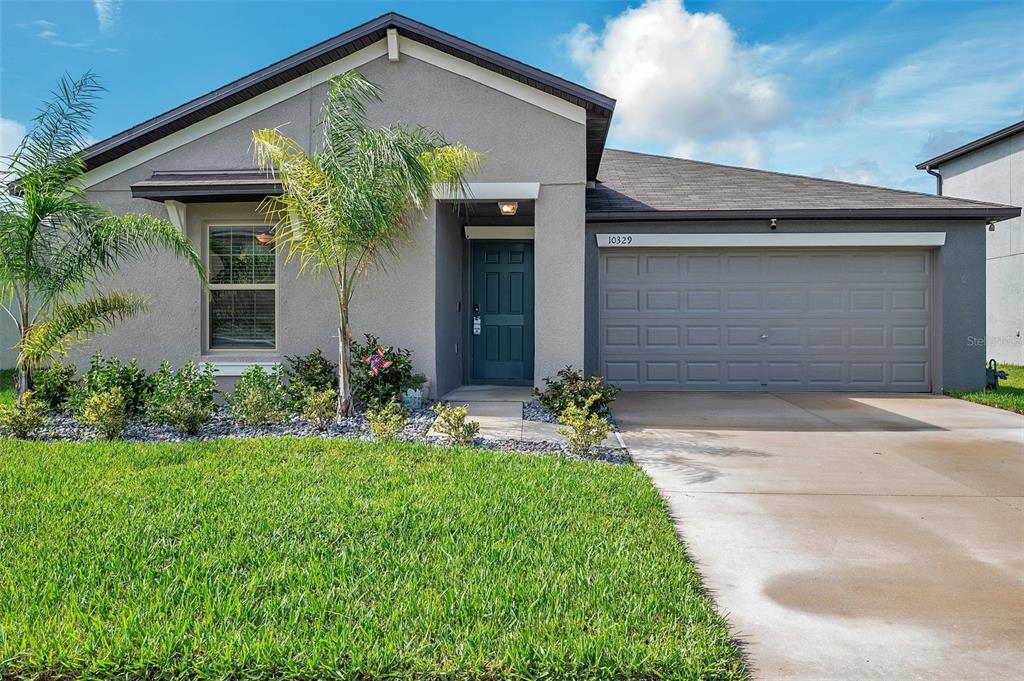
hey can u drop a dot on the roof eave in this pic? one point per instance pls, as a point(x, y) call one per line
point(993, 214)
point(981, 142)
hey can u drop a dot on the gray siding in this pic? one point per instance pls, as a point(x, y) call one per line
point(996, 173)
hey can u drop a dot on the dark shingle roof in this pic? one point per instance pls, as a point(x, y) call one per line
point(207, 185)
point(981, 142)
point(632, 186)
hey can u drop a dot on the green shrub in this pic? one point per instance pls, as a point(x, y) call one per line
point(259, 397)
point(54, 384)
point(387, 421)
point(571, 388)
point(319, 407)
point(582, 427)
point(309, 371)
point(107, 412)
point(182, 398)
point(23, 418)
point(104, 374)
point(452, 422)
point(391, 383)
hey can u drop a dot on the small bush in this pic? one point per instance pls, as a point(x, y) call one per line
point(452, 422)
point(23, 418)
point(54, 384)
point(571, 388)
point(183, 398)
point(319, 406)
point(582, 427)
point(259, 397)
point(104, 374)
point(107, 412)
point(309, 371)
point(387, 421)
point(390, 383)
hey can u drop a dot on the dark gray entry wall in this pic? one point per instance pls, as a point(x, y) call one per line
point(957, 293)
point(769, 319)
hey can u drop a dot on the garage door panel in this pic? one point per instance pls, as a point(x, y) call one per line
point(799, 319)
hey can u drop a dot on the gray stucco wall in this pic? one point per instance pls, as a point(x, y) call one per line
point(959, 291)
point(449, 301)
point(996, 173)
point(522, 142)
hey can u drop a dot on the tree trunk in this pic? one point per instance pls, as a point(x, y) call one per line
point(23, 381)
point(345, 406)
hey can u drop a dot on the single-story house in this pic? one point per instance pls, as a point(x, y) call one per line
point(659, 273)
point(991, 168)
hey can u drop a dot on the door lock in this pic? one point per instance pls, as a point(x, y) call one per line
point(476, 319)
point(764, 336)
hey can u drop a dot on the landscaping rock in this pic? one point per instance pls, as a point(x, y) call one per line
point(63, 427)
point(535, 411)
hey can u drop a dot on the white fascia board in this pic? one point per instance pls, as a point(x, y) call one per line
point(496, 81)
point(772, 240)
point(490, 191)
point(499, 232)
point(236, 113)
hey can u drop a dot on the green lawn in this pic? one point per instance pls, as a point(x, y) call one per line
point(305, 558)
point(1009, 396)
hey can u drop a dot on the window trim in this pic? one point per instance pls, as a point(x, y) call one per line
point(207, 349)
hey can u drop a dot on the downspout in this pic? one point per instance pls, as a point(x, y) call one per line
point(938, 179)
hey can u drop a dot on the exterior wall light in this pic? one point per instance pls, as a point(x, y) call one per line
point(508, 207)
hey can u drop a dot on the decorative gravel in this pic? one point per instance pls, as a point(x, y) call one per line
point(63, 427)
point(535, 411)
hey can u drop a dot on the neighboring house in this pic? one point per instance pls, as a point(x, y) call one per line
point(659, 273)
point(992, 169)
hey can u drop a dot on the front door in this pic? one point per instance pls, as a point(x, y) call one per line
point(502, 296)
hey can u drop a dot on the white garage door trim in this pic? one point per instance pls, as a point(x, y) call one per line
point(772, 240)
point(769, 319)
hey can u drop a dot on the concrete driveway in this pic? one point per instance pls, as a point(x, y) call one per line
point(848, 536)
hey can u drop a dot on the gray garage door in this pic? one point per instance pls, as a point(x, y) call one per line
point(732, 319)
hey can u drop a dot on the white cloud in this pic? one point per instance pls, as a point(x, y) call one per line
point(682, 79)
point(108, 13)
point(11, 134)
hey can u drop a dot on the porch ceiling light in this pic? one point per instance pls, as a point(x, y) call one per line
point(508, 207)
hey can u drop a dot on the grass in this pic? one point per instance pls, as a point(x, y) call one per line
point(306, 558)
point(1010, 395)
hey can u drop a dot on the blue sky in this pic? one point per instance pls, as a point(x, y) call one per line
point(859, 91)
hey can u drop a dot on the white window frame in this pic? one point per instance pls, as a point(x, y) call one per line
point(206, 322)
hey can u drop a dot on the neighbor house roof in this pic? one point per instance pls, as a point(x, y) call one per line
point(992, 138)
point(634, 186)
point(598, 107)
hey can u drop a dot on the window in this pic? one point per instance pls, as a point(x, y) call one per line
point(242, 267)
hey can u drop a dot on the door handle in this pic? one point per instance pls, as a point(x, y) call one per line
point(764, 336)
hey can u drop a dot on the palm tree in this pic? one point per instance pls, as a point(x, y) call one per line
point(55, 247)
point(349, 206)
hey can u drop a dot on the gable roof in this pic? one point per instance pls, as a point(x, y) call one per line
point(635, 186)
point(992, 138)
point(598, 107)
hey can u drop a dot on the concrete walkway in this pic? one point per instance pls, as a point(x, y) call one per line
point(848, 536)
point(499, 411)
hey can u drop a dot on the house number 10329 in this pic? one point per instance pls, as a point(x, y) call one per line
point(619, 239)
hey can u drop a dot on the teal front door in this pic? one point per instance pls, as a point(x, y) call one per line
point(502, 297)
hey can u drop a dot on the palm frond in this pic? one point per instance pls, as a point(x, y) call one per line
point(73, 323)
